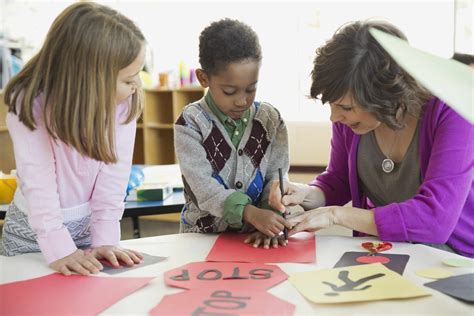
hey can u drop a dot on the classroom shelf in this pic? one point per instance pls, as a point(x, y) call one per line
point(154, 142)
point(159, 125)
point(7, 158)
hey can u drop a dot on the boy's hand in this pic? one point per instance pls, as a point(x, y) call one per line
point(78, 262)
point(258, 238)
point(265, 221)
point(115, 254)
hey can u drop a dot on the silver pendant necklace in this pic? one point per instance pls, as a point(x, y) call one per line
point(387, 164)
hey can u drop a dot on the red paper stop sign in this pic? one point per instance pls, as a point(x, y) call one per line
point(225, 275)
point(222, 302)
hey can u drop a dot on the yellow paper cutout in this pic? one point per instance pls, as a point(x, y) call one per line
point(459, 262)
point(367, 282)
point(434, 273)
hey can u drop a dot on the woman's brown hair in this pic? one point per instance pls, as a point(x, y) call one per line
point(352, 61)
point(76, 72)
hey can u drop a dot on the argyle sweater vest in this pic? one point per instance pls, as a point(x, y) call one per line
point(212, 168)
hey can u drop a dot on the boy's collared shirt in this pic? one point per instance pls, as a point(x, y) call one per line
point(235, 128)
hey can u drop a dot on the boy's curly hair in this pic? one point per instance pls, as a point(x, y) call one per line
point(227, 41)
point(353, 61)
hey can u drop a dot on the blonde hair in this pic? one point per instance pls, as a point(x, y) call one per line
point(77, 70)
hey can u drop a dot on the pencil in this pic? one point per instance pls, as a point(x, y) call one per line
point(282, 190)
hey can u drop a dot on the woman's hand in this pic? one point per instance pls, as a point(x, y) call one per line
point(266, 221)
point(115, 254)
point(295, 193)
point(78, 262)
point(323, 217)
point(258, 238)
point(313, 220)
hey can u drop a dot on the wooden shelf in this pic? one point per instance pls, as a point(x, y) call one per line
point(7, 160)
point(155, 143)
point(159, 125)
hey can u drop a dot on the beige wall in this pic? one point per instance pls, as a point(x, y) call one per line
point(309, 143)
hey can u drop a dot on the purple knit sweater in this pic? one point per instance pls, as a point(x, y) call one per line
point(442, 211)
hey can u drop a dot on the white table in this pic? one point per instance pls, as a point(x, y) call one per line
point(184, 248)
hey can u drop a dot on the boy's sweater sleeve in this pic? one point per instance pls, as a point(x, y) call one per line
point(109, 192)
point(36, 171)
point(433, 213)
point(206, 191)
point(234, 207)
point(278, 158)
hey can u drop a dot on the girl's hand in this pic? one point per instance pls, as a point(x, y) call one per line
point(113, 254)
point(265, 221)
point(257, 238)
point(295, 194)
point(313, 220)
point(78, 262)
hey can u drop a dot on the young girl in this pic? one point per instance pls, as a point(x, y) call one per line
point(72, 113)
point(402, 156)
point(228, 146)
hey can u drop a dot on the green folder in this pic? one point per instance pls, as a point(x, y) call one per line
point(150, 192)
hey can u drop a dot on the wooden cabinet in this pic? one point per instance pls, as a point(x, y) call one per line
point(7, 157)
point(154, 143)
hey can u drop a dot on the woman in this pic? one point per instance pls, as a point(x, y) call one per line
point(403, 157)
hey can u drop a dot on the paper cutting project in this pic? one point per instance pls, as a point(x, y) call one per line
point(459, 262)
point(301, 248)
point(225, 275)
point(55, 294)
point(434, 273)
point(368, 282)
point(147, 260)
point(394, 262)
point(222, 302)
point(459, 286)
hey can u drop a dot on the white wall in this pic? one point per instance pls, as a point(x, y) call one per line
point(289, 33)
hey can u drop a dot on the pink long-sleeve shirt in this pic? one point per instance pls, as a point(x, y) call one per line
point(53, 176)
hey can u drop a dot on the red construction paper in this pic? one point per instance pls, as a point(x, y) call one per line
point(372, 259)
point(56, 294)
point(301, 248)
point(225, 275)
point(222, 302)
